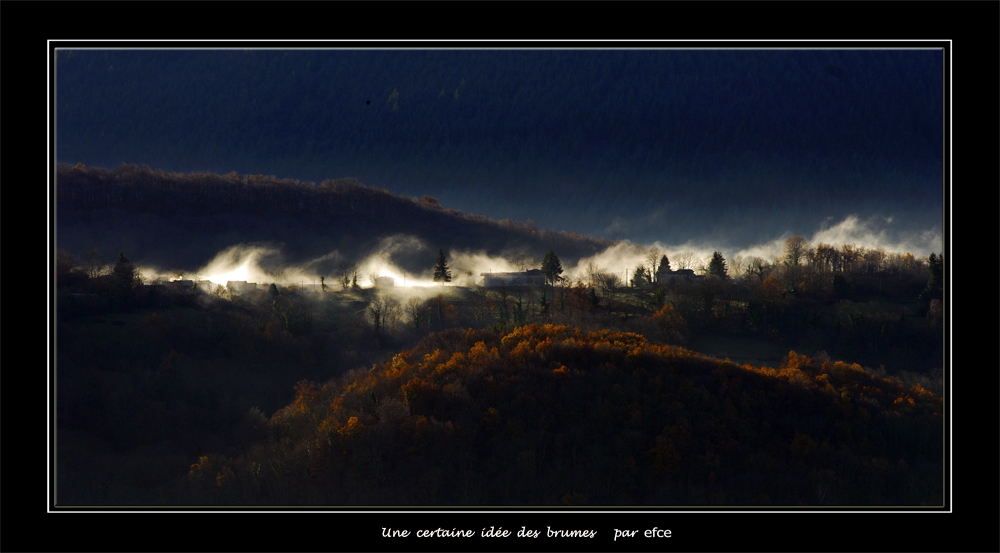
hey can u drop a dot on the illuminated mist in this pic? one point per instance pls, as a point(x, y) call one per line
point(875, 232)
point(262, 263)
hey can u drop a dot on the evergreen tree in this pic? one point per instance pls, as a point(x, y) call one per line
point(441, 271)
point(127, 282)
point(935, 281)
point(717, 266)
point(641, 277)
point(123, 266)
point(663, 269)
point(126, 274)
point(551, 267)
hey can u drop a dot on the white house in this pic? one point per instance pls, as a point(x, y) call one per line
point(240, 286)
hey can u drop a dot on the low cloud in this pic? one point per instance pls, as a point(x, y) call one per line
point(263, 263)
point(879, 232)
point(872, 232)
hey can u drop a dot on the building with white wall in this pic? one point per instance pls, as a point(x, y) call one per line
point(240, 286)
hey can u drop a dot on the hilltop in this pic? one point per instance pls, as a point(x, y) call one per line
point(180, 221)
point(552, 415)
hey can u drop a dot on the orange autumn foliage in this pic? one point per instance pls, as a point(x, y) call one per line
point(480, 407)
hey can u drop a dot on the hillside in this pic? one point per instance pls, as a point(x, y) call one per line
point(181, 221)
point(180, 395)
point(551, 415)
point(148, 381)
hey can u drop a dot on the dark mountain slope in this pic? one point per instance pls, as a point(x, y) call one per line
point(180, 221)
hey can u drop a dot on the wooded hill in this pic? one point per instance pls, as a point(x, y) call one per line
point(551, 415)
point(180, 397)
point(180, 221)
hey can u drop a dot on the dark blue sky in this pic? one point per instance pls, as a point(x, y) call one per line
point(729, 146)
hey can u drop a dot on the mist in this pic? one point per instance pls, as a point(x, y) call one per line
point(405, 258)
point(872, 232)
point(409, 260)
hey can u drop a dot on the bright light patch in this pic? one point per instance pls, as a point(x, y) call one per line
point(241, 273)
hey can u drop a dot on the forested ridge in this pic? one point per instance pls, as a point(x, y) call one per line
point(150, 212)
point(552, 415)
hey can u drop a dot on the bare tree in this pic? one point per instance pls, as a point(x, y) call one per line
point(276, 274)
point(610, 283)
point(384, 312)
point(345, 272)
point(520, 260)
point(873, 259)
point(94, 263)
point(417, 311)
point(500, 296)
point(653, 259)
point(827, 257)
point(485, 305)
point(594, 274)
point(685, 260)
point(757, 267)
point(796, 250)
point(849, 255)
point(521, 303)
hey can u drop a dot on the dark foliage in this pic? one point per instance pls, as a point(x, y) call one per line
point(441, 271)
point(550, 414)
point(183, 220)
point(552, 267)
point(717, 265)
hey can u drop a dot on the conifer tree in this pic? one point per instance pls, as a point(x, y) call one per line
point(441, 271)
point(641, 277)
point(717, 266)
point(935, 280)
point(662, 270)
point(552, 267)
point(127, 280)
